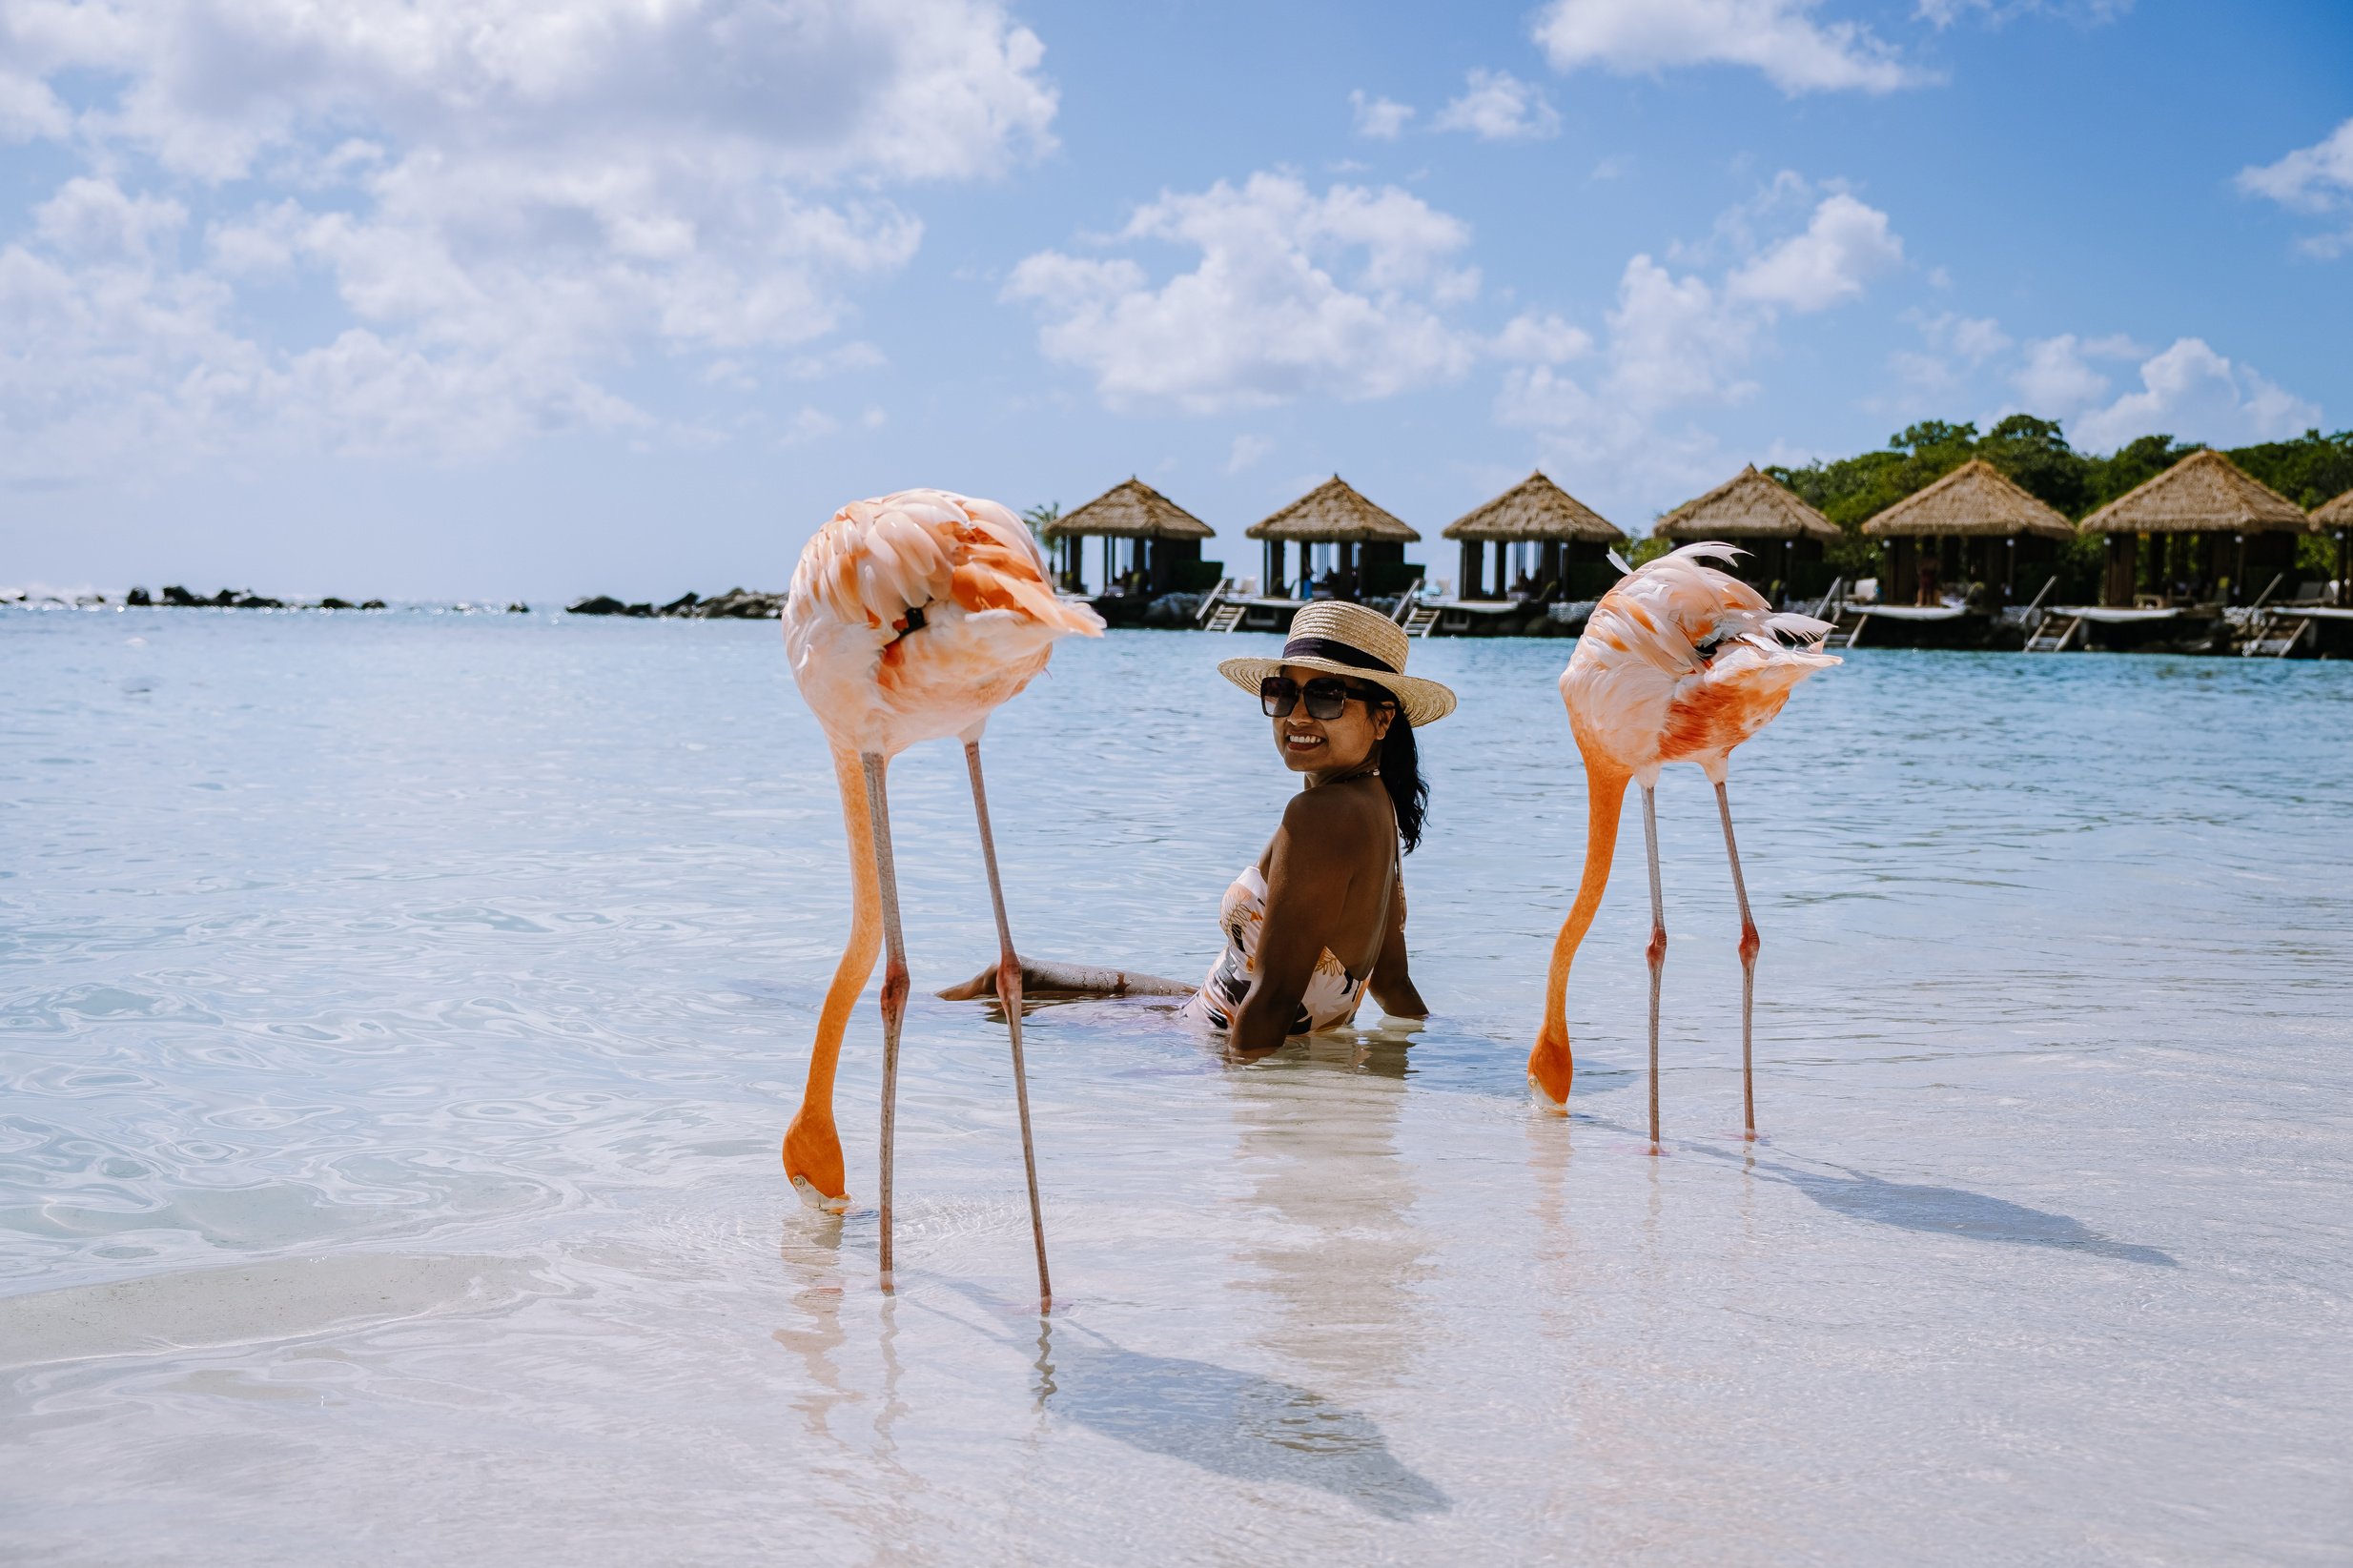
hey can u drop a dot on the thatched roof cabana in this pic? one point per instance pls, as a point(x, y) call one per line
point(1163, 549)
point(1975, 501)
point(1972, 527)
point(2205, 493)
point(1557, 543)
point(1535, 510)
point(1748, 506)
point(2335, 514)
point(1130, 509)
point(1367, 545)
point(1334, 513)
point(2217, 535)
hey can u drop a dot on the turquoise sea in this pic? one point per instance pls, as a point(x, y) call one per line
point(399, 1013)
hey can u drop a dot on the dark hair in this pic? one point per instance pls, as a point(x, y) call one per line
point(1401, 774)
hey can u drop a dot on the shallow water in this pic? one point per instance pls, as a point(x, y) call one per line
point(399, 1013)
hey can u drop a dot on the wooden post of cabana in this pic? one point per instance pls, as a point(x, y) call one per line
point(1160, 541)
point(1568, 540)
point(1784, 537)
point(1361, 547)
point(2336, 519)
point(2215, 536)
point(1974, 526)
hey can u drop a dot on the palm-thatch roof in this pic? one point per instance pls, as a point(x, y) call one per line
point(1131, 509)
point(1974, 500)
point(1333, 513)
point(1535, 509)
point(2335, 514)
point(2205, 493)
point(1748, 506)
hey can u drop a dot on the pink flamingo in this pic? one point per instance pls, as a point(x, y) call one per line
point(1680, 662)
point(911, 618)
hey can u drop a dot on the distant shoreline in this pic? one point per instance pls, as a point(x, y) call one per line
point(735, 604)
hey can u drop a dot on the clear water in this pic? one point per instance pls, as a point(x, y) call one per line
point(399, 1014)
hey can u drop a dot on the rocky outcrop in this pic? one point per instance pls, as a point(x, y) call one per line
point(228, 599)
point(735, 604)
point(738, 604)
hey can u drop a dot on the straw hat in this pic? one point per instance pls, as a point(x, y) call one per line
point(1349, 640)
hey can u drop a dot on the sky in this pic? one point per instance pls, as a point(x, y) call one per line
point(498, 298)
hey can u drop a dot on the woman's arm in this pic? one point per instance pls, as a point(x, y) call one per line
point(1392, 983)
point(1307, 877)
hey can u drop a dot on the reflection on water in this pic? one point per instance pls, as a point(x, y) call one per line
point(397, 1018)
point(1339, 1261)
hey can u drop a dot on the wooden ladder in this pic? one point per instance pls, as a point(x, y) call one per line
point(2047, 641)
point(1845, 636)
point(1420, 619)
point(2265, 640)
point(1226, 616)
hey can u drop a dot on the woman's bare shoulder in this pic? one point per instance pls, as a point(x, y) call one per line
point(1335, 818)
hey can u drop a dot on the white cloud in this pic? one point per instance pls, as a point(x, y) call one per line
point(1498, 106)
point(1675, 342)
point(509, 198)
point(809, 424)
point(1844, 246)
point(1975, 338)
point(1778, 37)
point(1341, 294)
point(1381, 119)
point(95, 218)
point(1944, 13)
point(1529, 338)
point(2311, 179)
point(1955, 343)
point(1248, 452)
point(2056, 381)
point(2191, 392)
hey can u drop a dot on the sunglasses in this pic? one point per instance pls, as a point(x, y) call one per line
point(1326, 697)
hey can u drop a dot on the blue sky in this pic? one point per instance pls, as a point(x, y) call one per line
point(512, 298)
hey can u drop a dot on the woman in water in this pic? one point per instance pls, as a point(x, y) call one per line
point(1319, 918)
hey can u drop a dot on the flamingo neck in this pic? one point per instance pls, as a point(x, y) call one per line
point(1604, 795)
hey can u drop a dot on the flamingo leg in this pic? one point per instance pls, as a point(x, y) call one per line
point(894, 978)
point(1749, 943)
point(812, 1146)
point(1008, 996)
point(1657, 951)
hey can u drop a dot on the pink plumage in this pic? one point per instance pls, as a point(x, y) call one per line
point(1679, 663)
point(964, 574)
point(911, 618)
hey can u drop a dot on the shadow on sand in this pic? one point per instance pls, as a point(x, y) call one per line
point(1227, 1422)
point(1951, 1210)
point(1942, 1210)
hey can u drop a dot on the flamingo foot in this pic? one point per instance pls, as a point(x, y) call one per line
point(813, 1161)
point(1549, 1071)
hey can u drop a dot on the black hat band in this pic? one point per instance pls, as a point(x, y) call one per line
point(1339, 653)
